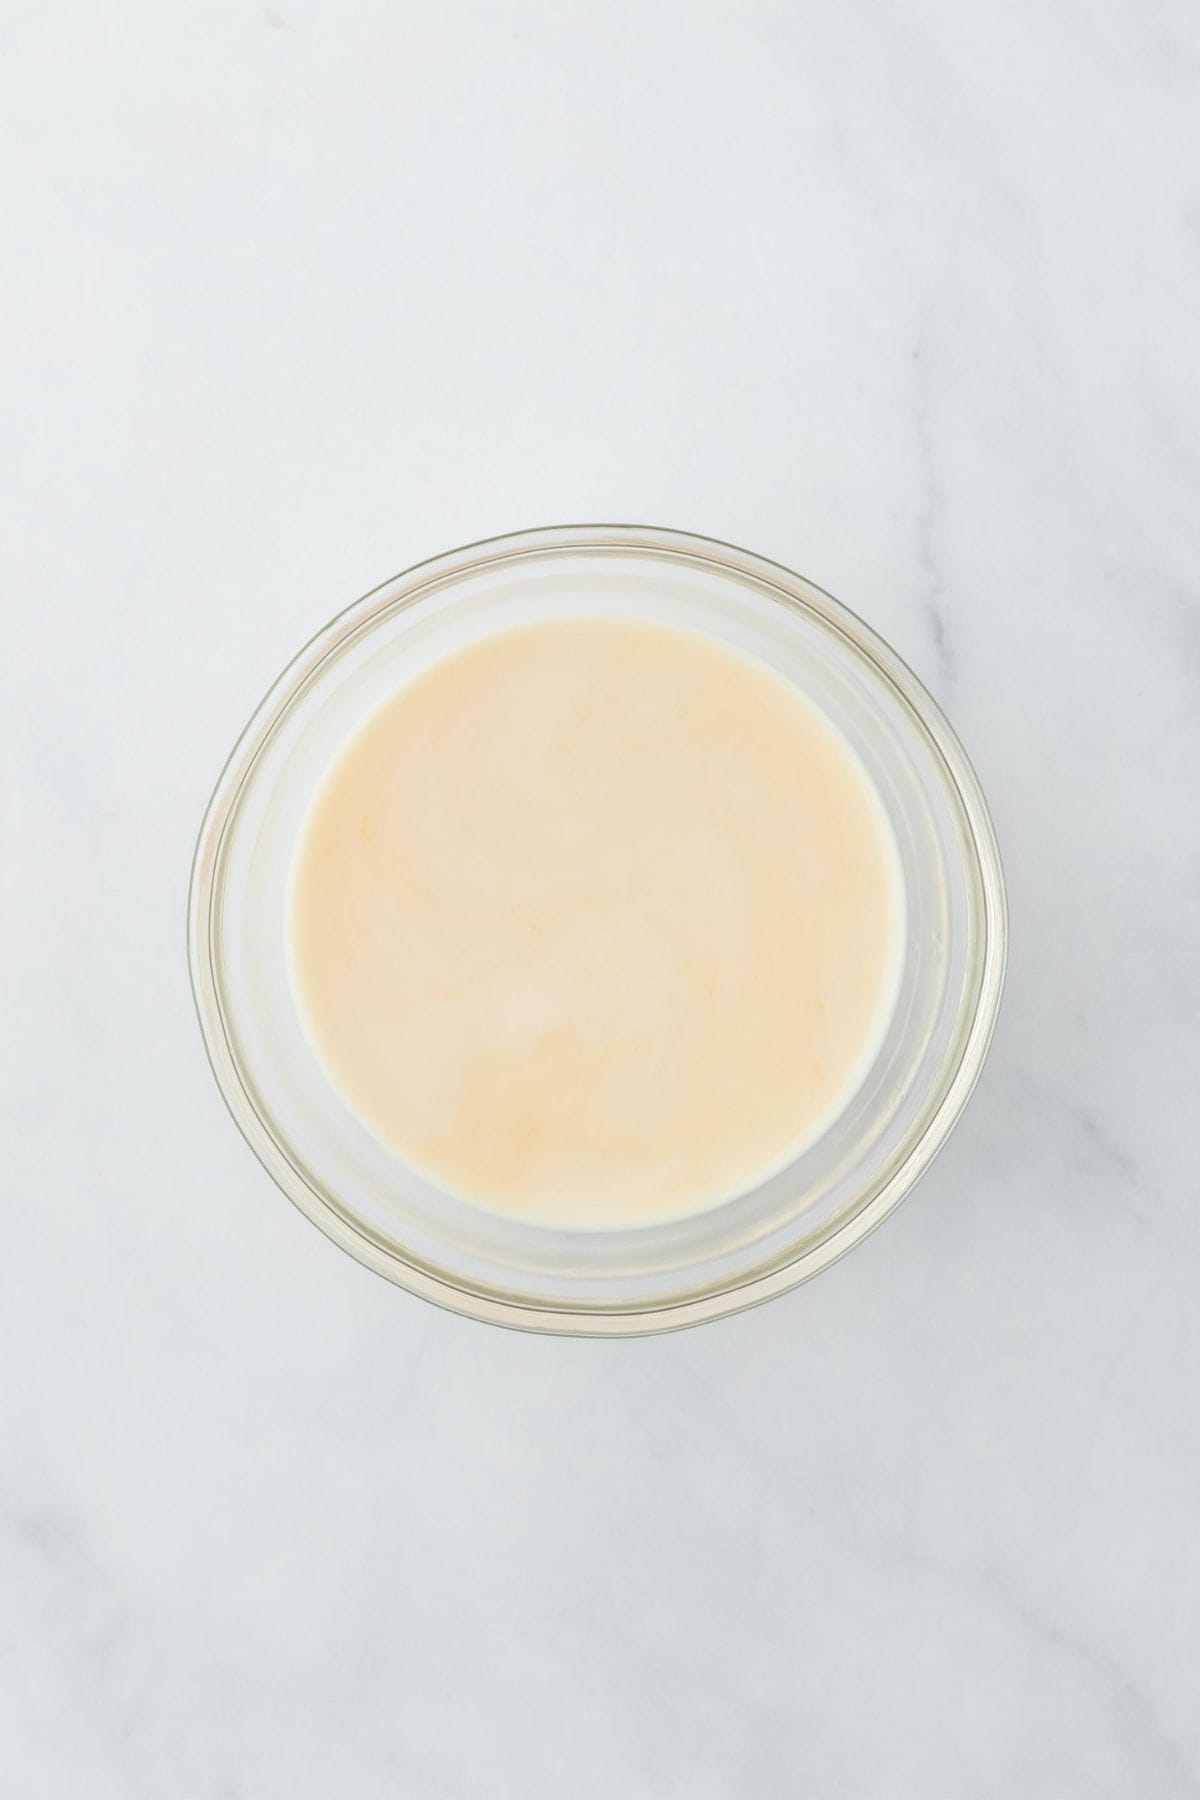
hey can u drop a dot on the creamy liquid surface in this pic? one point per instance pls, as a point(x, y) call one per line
point(595, 922)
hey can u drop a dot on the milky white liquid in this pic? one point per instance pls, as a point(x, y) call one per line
point(596, 922)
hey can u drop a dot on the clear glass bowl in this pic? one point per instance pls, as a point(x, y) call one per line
point(654, 1277)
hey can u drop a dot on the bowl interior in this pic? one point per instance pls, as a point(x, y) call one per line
point(635, 1278)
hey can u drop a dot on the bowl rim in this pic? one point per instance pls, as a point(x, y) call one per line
point(967, 1048)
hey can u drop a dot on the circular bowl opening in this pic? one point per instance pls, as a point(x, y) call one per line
point(642, 1278)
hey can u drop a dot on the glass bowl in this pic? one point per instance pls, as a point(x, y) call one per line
point(612, 1282)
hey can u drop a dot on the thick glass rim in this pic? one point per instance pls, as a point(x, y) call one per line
point(957, 1075)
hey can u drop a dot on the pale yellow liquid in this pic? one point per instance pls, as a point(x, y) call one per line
point(596, 922)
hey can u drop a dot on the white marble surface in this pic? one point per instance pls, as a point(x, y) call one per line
point(905, 295)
